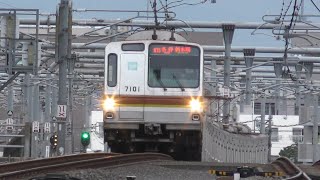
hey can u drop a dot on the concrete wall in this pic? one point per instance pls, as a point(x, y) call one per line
point(222, 146)
point(305, 149)
point(305, 152)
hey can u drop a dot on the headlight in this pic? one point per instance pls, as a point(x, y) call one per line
point(195, 105)
point(108, 104)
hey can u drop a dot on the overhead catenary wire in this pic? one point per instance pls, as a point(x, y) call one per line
point(287, 30)
point(283, 15)
point(282, 8)
point(314, 4)
point(290, 28)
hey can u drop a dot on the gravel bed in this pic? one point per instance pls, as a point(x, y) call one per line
point(146, 171)
point(150, 171)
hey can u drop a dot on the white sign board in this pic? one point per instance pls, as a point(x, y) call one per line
point(62, 111)
point(46, 127)
point(9, 122)
point(226, 92)
point(47, 152)
point(35, 127)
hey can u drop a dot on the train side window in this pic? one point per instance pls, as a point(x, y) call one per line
point(112, 70)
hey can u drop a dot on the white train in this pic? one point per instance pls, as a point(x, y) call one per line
point(153, 97)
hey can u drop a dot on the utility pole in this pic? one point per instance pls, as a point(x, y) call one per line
point(315, 136)
point(54, 107)
point(278, 73)
point(62, 61)
point(70, 99)
point(228, 30)
point(71, 61)
point(269, 134)
point(298, 93)
point(248, 58)
point(263, 115)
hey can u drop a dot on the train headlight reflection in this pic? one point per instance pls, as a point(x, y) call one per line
point(109, 104)
point(195, 105)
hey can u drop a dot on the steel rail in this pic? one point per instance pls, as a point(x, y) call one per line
point(112, 161)
point(316, 163)
point(291, 170)
point(5, 168)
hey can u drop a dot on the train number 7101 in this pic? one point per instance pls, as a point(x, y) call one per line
point(132, 88)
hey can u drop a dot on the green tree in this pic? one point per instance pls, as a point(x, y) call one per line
point(290, 152)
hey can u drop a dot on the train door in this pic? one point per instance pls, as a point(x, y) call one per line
point(132, 82)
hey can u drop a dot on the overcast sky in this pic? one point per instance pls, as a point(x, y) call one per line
point(221, 11)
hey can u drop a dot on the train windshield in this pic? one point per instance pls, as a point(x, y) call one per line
point(174, 66)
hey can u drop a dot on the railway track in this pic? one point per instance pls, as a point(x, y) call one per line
point(292, 171)
point(4, 168)
point(316, 164)
point(67, 163)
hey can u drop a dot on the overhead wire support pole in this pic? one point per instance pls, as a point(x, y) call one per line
point(315, 134)
point(10, 21)
point(278, 72)
point(248, 57)
point(154, 35)
point(35, 63)
point(71, 62)
point(62, 61)
point(70, 99)
point(228, 30)
point(263, 115)
point(269, 133)
point(298, 68)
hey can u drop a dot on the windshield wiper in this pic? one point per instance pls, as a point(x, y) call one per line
point(178, 82)
point(159, 79)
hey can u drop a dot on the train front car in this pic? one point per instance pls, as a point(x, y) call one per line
point(153, 98)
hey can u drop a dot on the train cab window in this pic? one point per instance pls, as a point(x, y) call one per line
point(174, 66)
point(112, 70)
point(133, 47)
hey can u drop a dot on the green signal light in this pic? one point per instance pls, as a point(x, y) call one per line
point(85, 135)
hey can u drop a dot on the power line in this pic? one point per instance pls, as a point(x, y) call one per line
point(7, 4)
point(287, 30)
point(284, 15)
point(170, 4)
point(281, 9)
point(314, 4)
point(190, 4)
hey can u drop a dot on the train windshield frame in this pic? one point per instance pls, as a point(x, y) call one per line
point(173, 66)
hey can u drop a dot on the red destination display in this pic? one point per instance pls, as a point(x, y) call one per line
point(174, 50)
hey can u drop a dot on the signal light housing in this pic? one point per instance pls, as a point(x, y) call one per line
point(54, 141)
point(85, 138)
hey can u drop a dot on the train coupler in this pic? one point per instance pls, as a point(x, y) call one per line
point(152, 129)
